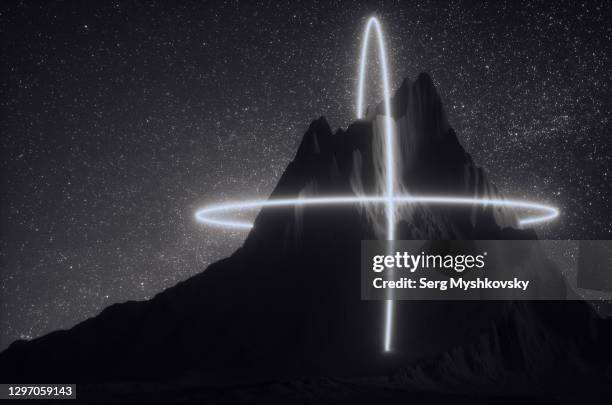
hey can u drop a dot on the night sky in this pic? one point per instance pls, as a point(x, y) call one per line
point(119, 120)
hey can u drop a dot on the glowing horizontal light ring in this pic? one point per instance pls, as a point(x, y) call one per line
point(546, 212)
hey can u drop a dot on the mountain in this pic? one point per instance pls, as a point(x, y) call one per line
point(287, 304)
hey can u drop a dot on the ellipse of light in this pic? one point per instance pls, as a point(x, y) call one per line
point(390, 164)
point(206, 215)
point(390, 199)
point(388, 142)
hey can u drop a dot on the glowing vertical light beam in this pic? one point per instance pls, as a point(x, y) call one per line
point(388, 145)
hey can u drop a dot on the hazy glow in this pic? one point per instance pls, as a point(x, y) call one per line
point(388, 146)
point(209, 215)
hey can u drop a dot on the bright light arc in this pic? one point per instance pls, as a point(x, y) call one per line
point(389, 141)
point(211, 215)
point(389, 147)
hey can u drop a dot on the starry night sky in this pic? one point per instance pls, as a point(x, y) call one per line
point(119, 120)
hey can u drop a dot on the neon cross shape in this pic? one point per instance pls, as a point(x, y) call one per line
point(209, 214)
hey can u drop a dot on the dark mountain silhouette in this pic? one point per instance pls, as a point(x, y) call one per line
point(286, 305)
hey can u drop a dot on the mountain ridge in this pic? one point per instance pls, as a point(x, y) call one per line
point(287, 303)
